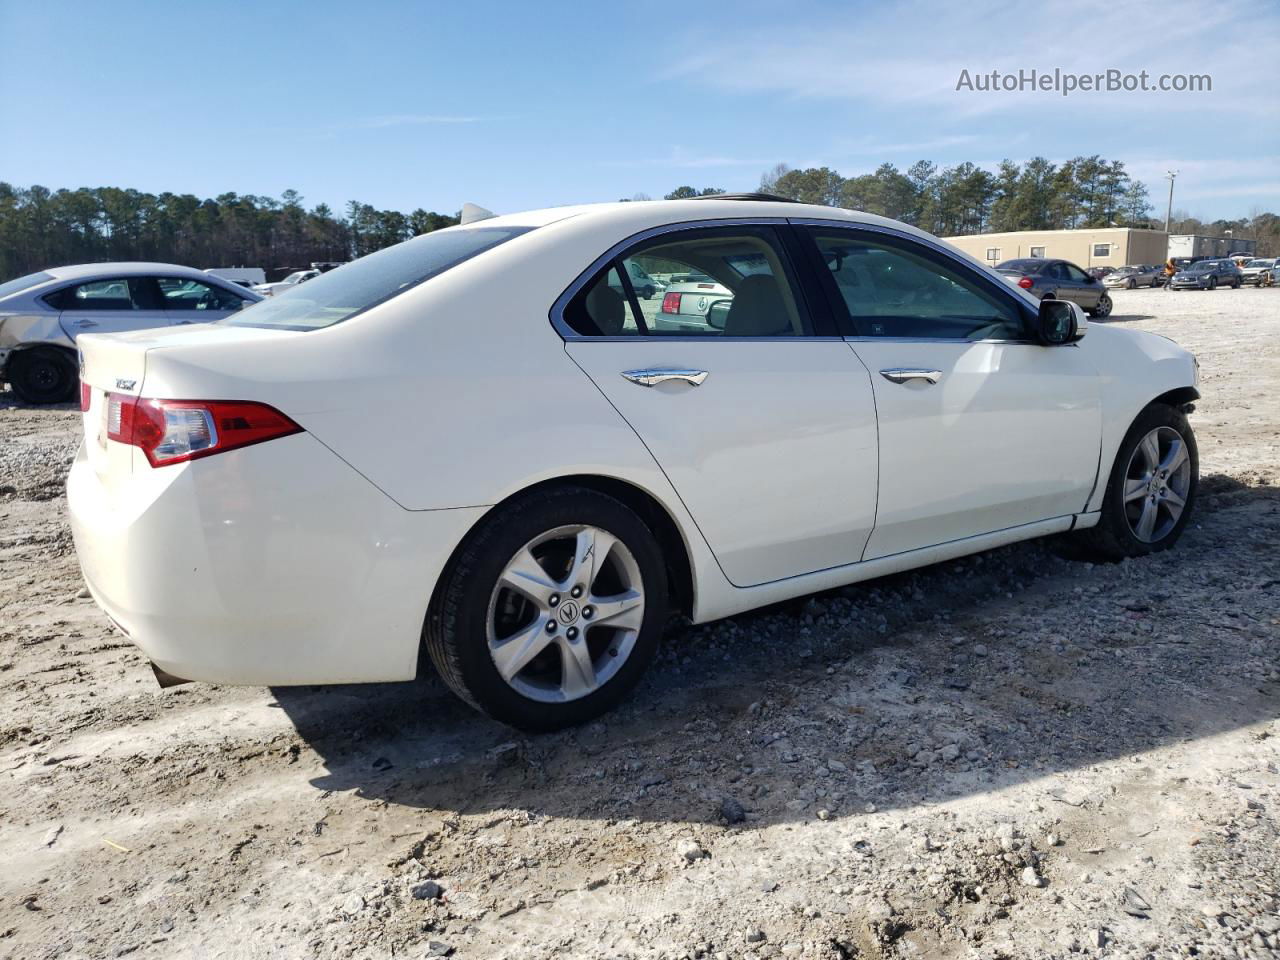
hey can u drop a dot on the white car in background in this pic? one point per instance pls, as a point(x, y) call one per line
point(43, 314)
point(1253, 270)
point(288, 283)
point(473, 442)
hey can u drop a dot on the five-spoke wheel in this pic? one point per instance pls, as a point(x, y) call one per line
point(551, 609)
point(565, 612)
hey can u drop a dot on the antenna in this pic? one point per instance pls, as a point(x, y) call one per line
point(471, 213)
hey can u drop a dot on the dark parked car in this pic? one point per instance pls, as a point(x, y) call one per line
point(1207, 275)
point(1058, 280)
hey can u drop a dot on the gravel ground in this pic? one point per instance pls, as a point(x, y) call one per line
point(1014, 755)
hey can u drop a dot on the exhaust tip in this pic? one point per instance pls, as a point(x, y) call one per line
point(165, 679)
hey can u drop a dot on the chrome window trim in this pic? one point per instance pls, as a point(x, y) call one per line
point(568, 334)
point(931, 244)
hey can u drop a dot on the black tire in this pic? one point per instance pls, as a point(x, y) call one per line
point(1103, 309)
point(1235, 284)
point(1213, 283)
point(1113, 538)
point(42, 375)
point(1132, 284)
point(647, 293)
point(456, 630)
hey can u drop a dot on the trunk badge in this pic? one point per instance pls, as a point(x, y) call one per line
point(126, 384)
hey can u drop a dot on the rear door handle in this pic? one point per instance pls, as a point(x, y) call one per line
point(657, 375)
point(86, 323)
point(903, 374)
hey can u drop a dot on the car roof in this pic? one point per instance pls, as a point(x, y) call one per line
point(638, 213)
point(80, 271)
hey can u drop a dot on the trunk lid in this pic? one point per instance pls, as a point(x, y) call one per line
point(117, 363)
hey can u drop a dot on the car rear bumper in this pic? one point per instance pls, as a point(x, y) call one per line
point(274, 564)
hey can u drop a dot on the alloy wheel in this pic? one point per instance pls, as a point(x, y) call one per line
point(565, 613)
point(1103, 308)
point(1157, 483)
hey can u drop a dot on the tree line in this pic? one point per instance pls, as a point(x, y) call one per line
point(42, 228)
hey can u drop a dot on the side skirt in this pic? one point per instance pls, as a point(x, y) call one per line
point(735, 600)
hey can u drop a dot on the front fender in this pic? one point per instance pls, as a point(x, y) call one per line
point(1134, 369)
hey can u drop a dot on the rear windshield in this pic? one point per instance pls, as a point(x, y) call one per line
point(364, 283)
point(21, 283)
point(1021, 266)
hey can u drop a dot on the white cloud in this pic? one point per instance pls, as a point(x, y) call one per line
point(911, 55)
point(409, 120)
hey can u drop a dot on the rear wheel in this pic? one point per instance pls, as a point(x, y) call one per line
point(551, 611)
point(1103, 309)
point(1213, 283)
point(1131, 284)
point(1152, 487)
point(42, 375)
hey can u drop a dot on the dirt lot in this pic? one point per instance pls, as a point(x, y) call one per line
point(1014, 755)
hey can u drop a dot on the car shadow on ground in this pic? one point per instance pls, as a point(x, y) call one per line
point(981, 673)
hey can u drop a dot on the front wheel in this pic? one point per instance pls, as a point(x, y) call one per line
point(551, 611)
point(1131, 284)
point(1213, 283)
point(1103, 309)
point(42, 375)
point(1152, 487)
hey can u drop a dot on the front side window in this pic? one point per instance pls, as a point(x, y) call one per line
point(182, 294)
point(717, 282)
point(895, 288)
point(351, 289)
point(1102, 250)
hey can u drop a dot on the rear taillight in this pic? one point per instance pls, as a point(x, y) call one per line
point(86, 394)
point(173, 431)
point(671, 303)
point(1026, 283)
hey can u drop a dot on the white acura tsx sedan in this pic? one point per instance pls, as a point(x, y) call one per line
point(479, 441)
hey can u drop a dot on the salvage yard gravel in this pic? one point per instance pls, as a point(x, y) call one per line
point(1013, 755)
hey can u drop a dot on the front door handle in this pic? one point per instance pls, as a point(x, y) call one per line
point(86, 323)
point(903, 374)
point(657, 375)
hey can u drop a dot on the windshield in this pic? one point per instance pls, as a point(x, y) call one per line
point(1204, 266)
point(22, 283)
point(364, 283)
point(1259, 263)
point(1125, 271)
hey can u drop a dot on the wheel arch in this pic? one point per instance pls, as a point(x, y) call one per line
point(671, 540)
point(68, 351)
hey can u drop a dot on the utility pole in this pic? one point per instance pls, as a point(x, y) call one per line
point(1168, 213)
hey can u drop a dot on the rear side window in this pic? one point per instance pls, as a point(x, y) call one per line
point(709, 282)
point(124, 293)
point(342, 293)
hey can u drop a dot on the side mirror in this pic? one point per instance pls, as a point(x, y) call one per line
point(1059, 322)
point(718, 313)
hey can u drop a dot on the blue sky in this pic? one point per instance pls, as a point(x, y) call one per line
point(518, 105)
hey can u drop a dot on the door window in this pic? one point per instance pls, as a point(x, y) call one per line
point(717, 282)
point(120, 294)
point(898, 289)
point(179, 293)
